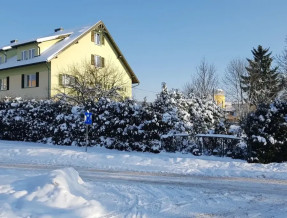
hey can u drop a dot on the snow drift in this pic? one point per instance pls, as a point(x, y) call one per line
point(61, 191)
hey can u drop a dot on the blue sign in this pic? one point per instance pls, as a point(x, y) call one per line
point(88, 118)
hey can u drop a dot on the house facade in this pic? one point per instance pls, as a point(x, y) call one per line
point(34, 68)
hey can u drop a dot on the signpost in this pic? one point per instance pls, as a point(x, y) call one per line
point(88, 121)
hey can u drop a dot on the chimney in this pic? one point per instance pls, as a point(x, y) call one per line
point(13, 41)
point(58, 29)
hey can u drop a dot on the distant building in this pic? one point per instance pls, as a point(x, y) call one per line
point(230, 112)
point(219, 98)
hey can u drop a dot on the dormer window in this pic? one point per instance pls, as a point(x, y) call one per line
point(32, 53)
point(24, 55)
point(28, 54)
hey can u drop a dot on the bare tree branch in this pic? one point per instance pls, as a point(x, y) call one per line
point(85, 83)
point(204, 81)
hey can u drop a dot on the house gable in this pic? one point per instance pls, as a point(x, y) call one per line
point(81, 52)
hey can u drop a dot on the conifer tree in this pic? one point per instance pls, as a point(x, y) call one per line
point(266, 131)
point(261, 84)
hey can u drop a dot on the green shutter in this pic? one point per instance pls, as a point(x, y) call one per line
point(93, 36)
point(92, 59)
point(102, 39)
point(103, 62)
point(60, 79)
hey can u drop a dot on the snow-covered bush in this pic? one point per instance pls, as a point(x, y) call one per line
point(25, 120)
point(266, 131)
point(204, 114)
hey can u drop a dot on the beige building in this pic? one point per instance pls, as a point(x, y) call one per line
point(34, 68)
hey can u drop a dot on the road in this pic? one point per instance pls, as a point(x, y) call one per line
point(175, 195)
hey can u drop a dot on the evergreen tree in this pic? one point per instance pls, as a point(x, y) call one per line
point(261, 84)
point(266, 131)
point(173, 108)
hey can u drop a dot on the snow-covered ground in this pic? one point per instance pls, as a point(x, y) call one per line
point(38, 180)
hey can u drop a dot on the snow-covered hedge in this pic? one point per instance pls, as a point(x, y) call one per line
point(116, 125)
point(120, 125)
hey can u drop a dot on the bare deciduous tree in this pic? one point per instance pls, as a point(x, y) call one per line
point(281, 60)
point(204, 81)
point(83, 84)
point(232, 80)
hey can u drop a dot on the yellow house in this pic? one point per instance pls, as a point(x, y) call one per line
point(31, 69)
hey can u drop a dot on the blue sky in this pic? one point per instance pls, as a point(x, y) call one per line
point(162, 40)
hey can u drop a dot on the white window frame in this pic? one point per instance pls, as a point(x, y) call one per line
point(28, 54)
point(3, 84)
point(98, 40)
point(68, 80)
point(32, 53)
point(98, 61)
point(1, 59)
point(24, 55)
point(28, 80)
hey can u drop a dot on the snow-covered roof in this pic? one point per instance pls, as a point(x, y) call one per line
point(50, 53)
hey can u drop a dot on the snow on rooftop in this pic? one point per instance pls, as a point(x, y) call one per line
point(51, 52)
point(6, 48)
point(47, 38)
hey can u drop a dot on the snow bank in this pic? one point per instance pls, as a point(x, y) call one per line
point(105, 159)
point(59, 192)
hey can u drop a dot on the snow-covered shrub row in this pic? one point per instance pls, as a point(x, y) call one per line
point(116, 125)
point(266, 131)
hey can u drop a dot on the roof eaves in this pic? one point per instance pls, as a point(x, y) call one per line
point(13, 67)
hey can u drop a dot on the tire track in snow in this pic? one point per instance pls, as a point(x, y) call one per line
point(268, 186)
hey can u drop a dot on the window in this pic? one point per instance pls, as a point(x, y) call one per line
point(1, 60)
point(99, 61)
point(32, 53)
point(98, 38)
point(28, 54)
point(67, 80)
point(4, 84)
point(24, 55)
point(30, 80)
